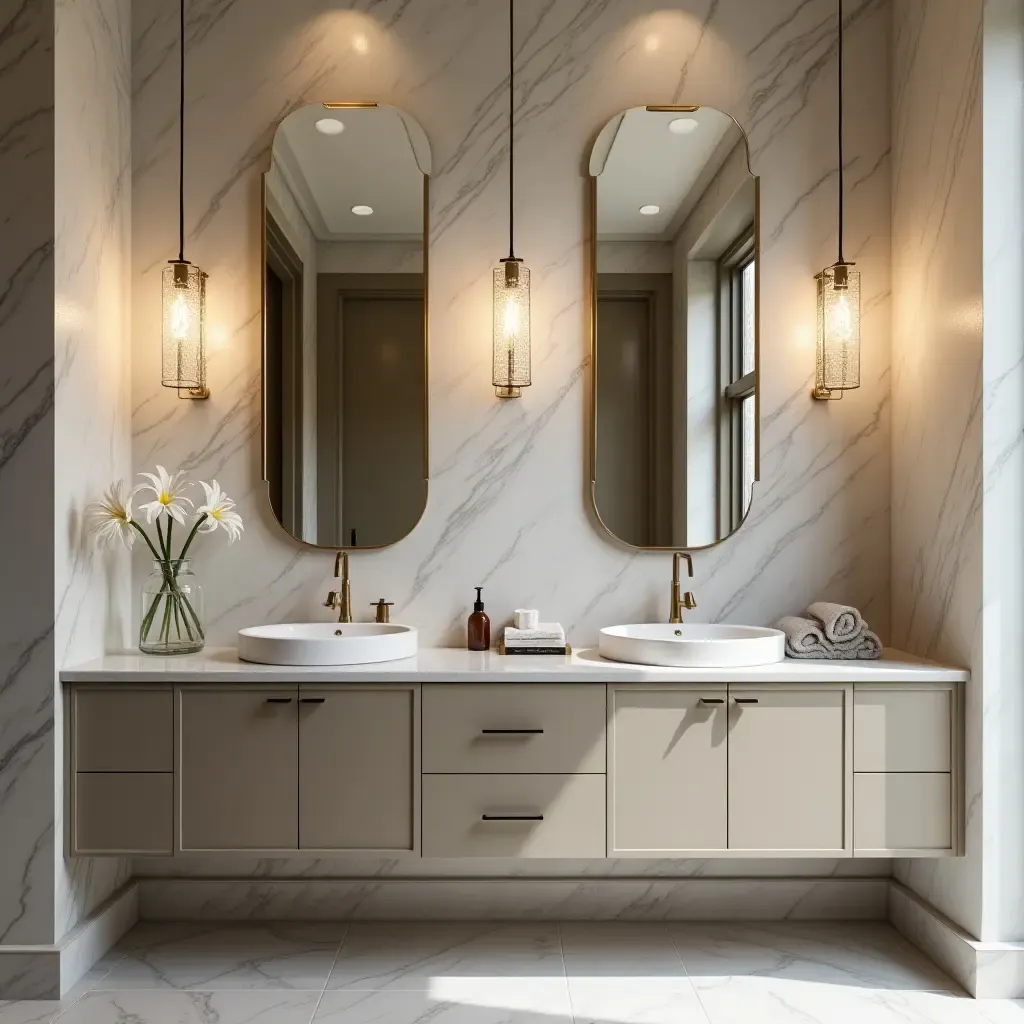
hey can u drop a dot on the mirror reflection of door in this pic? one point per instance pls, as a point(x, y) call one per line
point(345, 407)
point(675, 327)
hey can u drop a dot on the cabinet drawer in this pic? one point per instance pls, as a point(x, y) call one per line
point(123, 812)
point(902, 730)
point(902, 811)
point(120, 730)
point(545, 816)
point(514, 728)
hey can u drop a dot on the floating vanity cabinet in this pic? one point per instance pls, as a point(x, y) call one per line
point(789, 770)
point(906, 765)
point(667, 770)
point(239, 768)
point(121, 755)
point(359, 771)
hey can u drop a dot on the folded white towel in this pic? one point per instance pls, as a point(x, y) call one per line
point(841, 623)
point(544, 631)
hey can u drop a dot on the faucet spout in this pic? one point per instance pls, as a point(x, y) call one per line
point(681, 601)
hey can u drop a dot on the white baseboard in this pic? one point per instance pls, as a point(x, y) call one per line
point(49, 971)
point(988, 970)
point(505, 899)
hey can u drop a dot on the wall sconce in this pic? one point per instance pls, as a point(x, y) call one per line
point(511, 326)
point(838, 349)
point(183, 363)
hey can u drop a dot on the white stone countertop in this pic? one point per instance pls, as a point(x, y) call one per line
point(453, 665)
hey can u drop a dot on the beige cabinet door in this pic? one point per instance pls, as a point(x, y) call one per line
point(238, 757)
point(666, 770)
point(788, 771)
point(359, 769)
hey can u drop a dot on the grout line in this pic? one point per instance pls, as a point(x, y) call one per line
point(565, 972)
point(334, 963)
point(686, 971)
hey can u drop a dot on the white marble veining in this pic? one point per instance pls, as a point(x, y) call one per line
point(548, 974)
point(451, 665)
point(92, 401)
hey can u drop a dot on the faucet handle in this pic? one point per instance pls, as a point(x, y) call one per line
point(332, 600)
point(689, 601)
point(383, 609)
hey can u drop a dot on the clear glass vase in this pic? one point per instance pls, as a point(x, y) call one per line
point(172, 610)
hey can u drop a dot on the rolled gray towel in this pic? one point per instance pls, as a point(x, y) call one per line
point(841, 623)
point(804, 638)
point(866, 648)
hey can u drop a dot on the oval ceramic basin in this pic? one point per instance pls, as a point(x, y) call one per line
point(326, 643)
point(696, 645)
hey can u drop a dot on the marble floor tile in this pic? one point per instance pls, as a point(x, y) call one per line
point(773, 1001)
point(413, 956)
point(229, 956)
point(164, 1007)
point(626, 1000)
point(607, 950)
point(453, 1001)
point(43, 1011)
point(860, 955)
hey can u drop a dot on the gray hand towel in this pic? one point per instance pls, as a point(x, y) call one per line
point(804, 638)
point(867, 647)
point(841, 623)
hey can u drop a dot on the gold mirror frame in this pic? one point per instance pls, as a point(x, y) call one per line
point(346, 105)
point(592, 326)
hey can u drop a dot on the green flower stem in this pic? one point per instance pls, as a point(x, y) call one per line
point(188, 540)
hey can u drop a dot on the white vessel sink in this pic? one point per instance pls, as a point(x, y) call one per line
point(695, 646)
point(326, 643)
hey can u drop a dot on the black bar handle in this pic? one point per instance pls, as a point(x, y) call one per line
point(712, 700)
point(312, 700)
point(745, 700)
point(512, 817)
point(279, 700)
point(512, 732)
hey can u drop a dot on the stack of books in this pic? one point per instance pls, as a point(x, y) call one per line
point(545, 638)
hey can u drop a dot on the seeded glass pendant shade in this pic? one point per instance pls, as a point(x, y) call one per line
point(511, 278)
point(838, 346)
point(183, 362)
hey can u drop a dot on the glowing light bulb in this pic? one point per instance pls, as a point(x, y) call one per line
point(179, 319)
point(511, 320)
point(841, 319)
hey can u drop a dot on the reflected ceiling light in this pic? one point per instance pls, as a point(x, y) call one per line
point(837, 365)
point(329, 126)
point(360, 43)
point(510, 327)
point(650, 210)
point(362, 211)
point(183, 346)
point(652, 43)
point(683, 125)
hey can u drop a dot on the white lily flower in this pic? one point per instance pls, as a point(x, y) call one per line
point(111, 518)
point(219, 509)
point(167, 493)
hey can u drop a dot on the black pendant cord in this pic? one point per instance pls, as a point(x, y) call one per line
point(511, 129)
point(841, 172)
point(181, 142)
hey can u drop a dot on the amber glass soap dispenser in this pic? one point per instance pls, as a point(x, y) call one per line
point(478, 628)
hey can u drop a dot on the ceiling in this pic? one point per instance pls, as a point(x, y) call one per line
point(640, 162)
point(375, 161)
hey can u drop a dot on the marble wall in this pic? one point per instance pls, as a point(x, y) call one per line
point(937, 385)
point(508, 504)
point(92, 408)
point(26, 476)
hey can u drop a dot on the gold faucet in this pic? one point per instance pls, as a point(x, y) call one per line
point(341, 600)
point(687, 601)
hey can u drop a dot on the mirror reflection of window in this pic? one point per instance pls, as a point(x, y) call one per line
point(675, 327)
point(344, 322)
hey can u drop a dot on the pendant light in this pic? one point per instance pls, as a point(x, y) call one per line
point(184, 287)
point(838, 349)
point(511, 327)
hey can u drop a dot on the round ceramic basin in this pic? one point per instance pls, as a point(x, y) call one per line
point(695, 645)
point(327, 643)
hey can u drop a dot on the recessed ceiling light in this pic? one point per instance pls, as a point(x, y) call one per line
point(329, 126)
point(683, 125)
point(362, 211)
point(650, 210)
